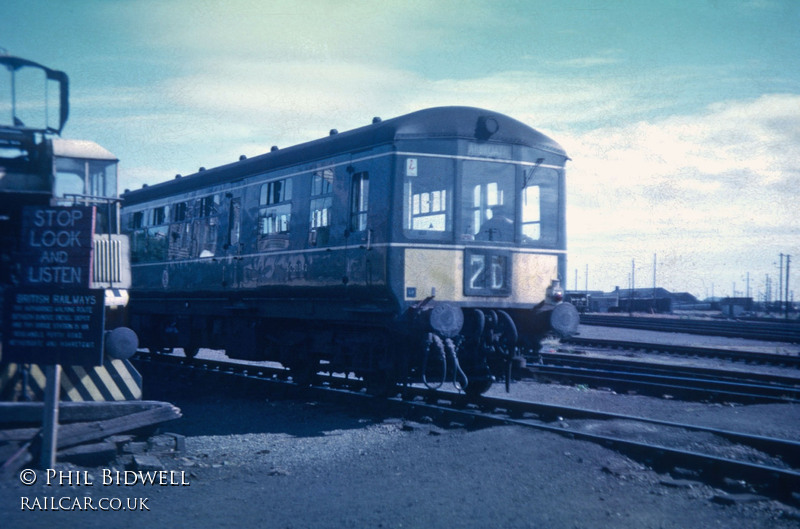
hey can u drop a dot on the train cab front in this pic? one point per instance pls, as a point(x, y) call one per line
point(484, 248)
point(474, 344)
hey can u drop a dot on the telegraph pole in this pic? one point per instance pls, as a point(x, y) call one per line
point(633, 283)
point(654, 282)
point(654, 274)
point(780, 286)
point(767, 292)
point(788, 259)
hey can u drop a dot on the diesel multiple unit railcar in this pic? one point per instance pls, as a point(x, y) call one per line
point(420, 248)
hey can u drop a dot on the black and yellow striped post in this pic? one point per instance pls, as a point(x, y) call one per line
point(115, 380)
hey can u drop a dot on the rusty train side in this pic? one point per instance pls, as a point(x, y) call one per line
point(427, 247)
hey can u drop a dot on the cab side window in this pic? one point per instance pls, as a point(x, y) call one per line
point(427, 198)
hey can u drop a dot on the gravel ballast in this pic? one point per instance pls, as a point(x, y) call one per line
point(291, 464)
point(256, 462)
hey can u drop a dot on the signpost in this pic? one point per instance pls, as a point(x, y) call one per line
point(53, 327)
point(57, 246)
point(53, 317)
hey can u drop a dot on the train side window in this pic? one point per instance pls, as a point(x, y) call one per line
point(179, 212)
point(150, 217)
point(235, 221)
point(428, 210)
point(148, 241)
point(427, 195)
point(359, 202)
point(321, 212)
point(137, 220)
point(204, 227)
point(322, 183)
point(276, 192)
point(540, 208)
point(179, 232)
point(531, 213)
point(320, 207)
point(138, 245)
point(208, 206)
point(275, 219)
point(160, 215)
point(157, 243)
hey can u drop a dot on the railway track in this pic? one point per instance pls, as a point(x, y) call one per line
point(733, 355)
point(679, 381)
point(776, 476)
point(760, 330)
point(770, 467)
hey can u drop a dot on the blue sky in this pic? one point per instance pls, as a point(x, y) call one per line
point(682, 118)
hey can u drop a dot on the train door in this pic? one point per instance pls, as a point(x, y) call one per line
point(180, 233)
point(321, 208)
point(359, 232)
point(205, 220)
point(233, 244)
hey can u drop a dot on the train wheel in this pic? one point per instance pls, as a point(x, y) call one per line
point(477, 387)
point(381, 384)
point(304, 373)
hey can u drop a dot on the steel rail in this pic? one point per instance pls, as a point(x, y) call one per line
point(769, 480)
point(768, 331)
point(640, 375)
point(673, 385)
point(674, 369)
point(779, 483)
point(786, 360)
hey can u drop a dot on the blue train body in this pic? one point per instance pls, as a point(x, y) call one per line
point(424, 247)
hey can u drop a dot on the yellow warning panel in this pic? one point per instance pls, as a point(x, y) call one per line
point(115, 380)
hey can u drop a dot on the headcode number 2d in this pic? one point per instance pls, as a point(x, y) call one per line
point(479, 279)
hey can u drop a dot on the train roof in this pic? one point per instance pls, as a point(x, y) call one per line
point(451, 122)
point(81, 149)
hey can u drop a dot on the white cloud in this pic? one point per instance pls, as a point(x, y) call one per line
point(719, 188)
point(600, 58)
point(287, 30)
point(247, 106)
point(691, 186)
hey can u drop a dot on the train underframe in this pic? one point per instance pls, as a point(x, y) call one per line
point(470, 348)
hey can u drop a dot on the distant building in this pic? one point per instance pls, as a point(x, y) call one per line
point(734, 307)
point(653, 300)
point(581, 300)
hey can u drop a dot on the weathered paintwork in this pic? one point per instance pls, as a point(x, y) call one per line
point(338, 243)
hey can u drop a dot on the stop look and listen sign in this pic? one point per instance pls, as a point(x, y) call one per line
point(53, 317)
